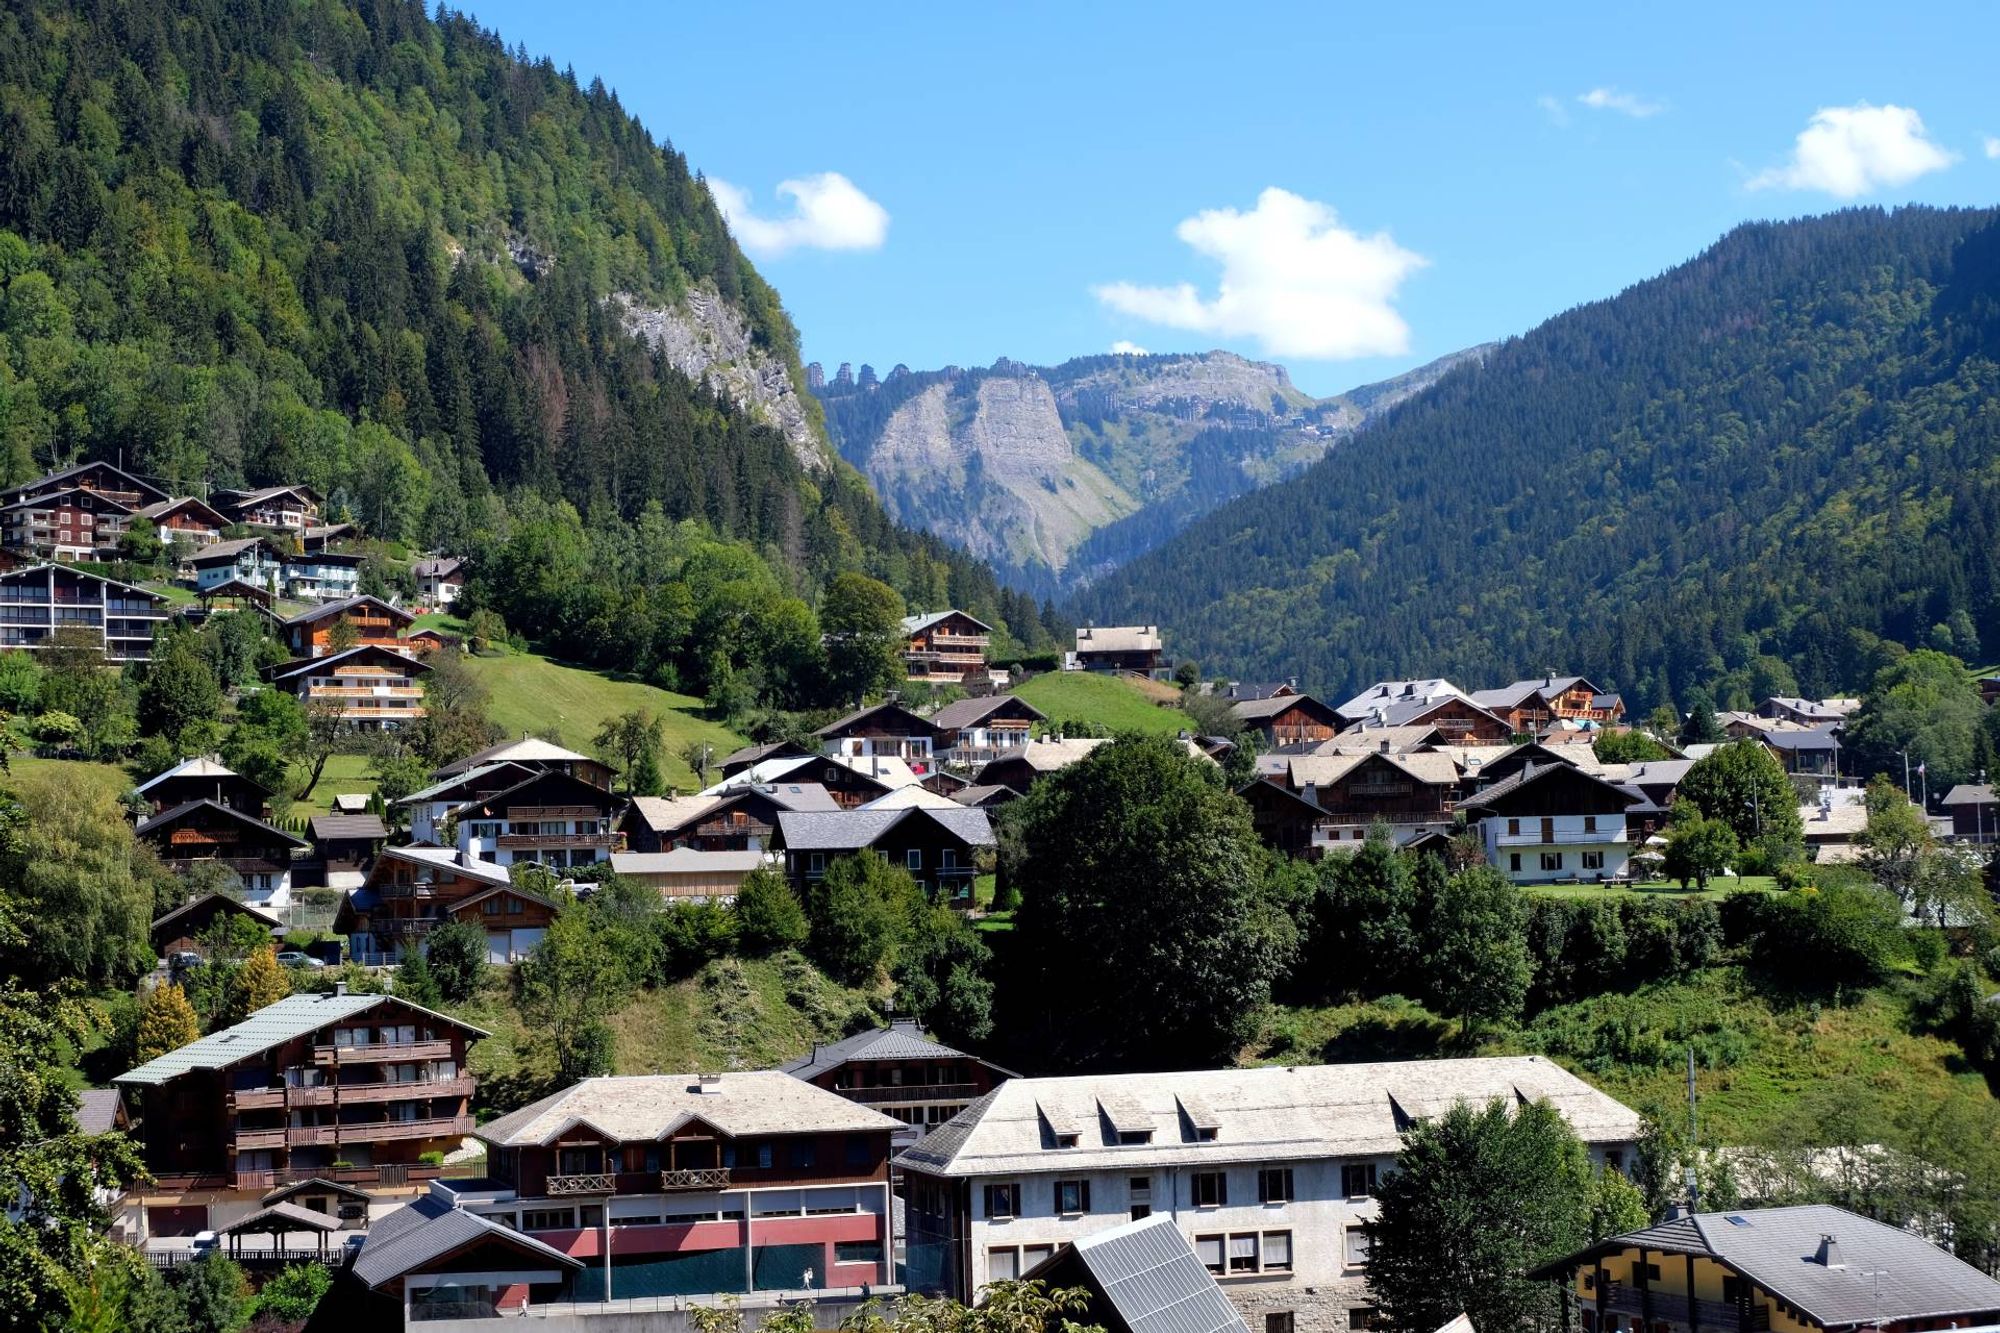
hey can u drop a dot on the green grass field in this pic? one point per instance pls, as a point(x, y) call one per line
point(111, 777)
point(1110, 702)
point(535, 695)
point(1717, 889)
point(344, 773)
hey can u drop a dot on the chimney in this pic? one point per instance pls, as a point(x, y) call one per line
point(708, 1085)
point(1385, 745)
point(340, 988)
point(1829, 1253)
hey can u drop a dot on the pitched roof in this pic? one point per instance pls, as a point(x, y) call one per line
point(1367, 736)
point(1045, 754)
point(593, 793)
point(1431, 769)
point(1534, 773)
point(439, 568)
point(281, 1216)
point(751, 754)
point(325, 609)
point(168, 818)
point(1150, 1277)
point(1275, 705)
point(224, 553)
point(325, 827)
point(1384, 692)
point(650, 1106)
point(51, 480)
point(44, 497)
point(912, 798)
point(1118, 639)
point(527, 750)
point(1969, 793)
point(1875, 1274)
point(470, 777)
point(97, 1110)
point(431, 1228)
point(684, 861)
point(668, 814)
point(358, 651)
point(1264, 1114)
point(238, 499)
point(893, 714)
point(981, 793)
point(449, 858)
point(1810, 738)
point(919, 623)
point(317, 1185)
point(9, 576)
point(162, 508)
point(218, 900)
point(901, 1040)
point(290, 1018)
point(852, 830)
point(201, 766)
point(962, 713)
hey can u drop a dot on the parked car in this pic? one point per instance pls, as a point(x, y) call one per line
point(298, 958)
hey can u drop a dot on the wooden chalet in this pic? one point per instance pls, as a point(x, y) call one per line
point(938, 847)
point(182, 930)
point(205, 778)
point(377, 688)
point(1286, 719)
point(1119, 648)
point(203, 831)
point(440, 579)
point(280, 508)
point(69, 523)
point(882, 730)
point(944, 647)
point(977, 731)
point(1286, 821)
point(185, 520)
point(1531, 705)
point(375, 622)
point(1554, 822)
point(902, 1073)
point(350, 1088)
point(257, 561)
point(535, 753)
point(100, 478)
point(347, 844)
point(1459, 721)
point(549, 817)
point(738, 761)
point(1410, 793)
point(738, 819)
point(411, 891)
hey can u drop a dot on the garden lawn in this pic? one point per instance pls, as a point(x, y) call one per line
point(1110, 702)
point(534, 695)
point(1717, 889)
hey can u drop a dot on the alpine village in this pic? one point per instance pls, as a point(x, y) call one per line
point(524, 800)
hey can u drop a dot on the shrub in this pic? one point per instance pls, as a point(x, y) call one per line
point(431, 1158)
point(769, 916)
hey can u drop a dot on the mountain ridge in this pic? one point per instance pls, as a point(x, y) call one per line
point(1056, 474)
point(1760, 472)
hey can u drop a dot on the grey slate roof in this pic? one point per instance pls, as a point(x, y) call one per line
point(167, 818)
point(1150, 1277)
point(852, 830)
point(429, 1229)
point(459, 781)
point(326, 663)
point(290, 1018)
point(919, 623)
point(1273, 705)
point(97, 1110)
point(962, 713)
point(1814, 738)
point(633, 1107)
point(325, 609)
point(901, 1040)
point(1879, 1272)
point(1385, 692)
point(1969, 793)
point(347, 826)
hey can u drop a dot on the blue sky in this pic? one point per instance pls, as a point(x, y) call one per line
point(1015, 179)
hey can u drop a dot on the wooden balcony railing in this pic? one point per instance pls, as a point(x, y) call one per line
point(351, 1094)
point(912, 1092)
point(588, 1183)
point(695, 1178)
point(532, 840)
point(382, 1050)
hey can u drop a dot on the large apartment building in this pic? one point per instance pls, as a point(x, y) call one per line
point(1270, 1173)
point(945, 646)
point(353, 1089)
point(377, 689)
point(38, 601)
point(657, 1185)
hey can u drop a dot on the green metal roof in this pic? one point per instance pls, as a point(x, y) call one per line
point(290, 1018)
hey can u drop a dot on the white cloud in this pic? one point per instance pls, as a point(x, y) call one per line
point(1554, 108)
point(1292, 278)
point(829, 212)
point(1126, 347)
point(1625, 104)
point(1847, 151)
point(1992, 146)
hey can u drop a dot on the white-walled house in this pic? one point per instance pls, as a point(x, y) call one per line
point(1270, 1173)
point(1553, 822)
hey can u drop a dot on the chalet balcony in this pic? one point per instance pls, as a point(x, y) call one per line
point(414, 692)
point(373, 1131)
point(695, 1178)
point(523, 813)
point(913, 1092)
point(382, 1050)
point(1671, 1307)
point(1561, 838)
point(529, 841)
point(351, 1094)
point(595, 1182)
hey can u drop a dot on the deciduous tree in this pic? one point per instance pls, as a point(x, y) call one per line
point(166, 1023)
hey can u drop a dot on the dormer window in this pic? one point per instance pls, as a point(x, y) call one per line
point(1066, 1140)
point(1205, 1134)
point(1130, 1136)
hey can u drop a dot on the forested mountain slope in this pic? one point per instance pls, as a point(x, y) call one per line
point(351, 245)
point(1740, 476)
point(1059, 474)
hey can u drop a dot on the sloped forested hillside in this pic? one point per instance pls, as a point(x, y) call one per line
point(1740, 476)
point(352, 245)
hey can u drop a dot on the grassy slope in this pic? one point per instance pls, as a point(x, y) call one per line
point(113, 778)
point(1756, 1052)
point(534, 694)
point(734, 1014)
point(1111, 702)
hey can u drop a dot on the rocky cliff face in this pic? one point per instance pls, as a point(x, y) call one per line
point(706, 339)
point(1058, 474)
